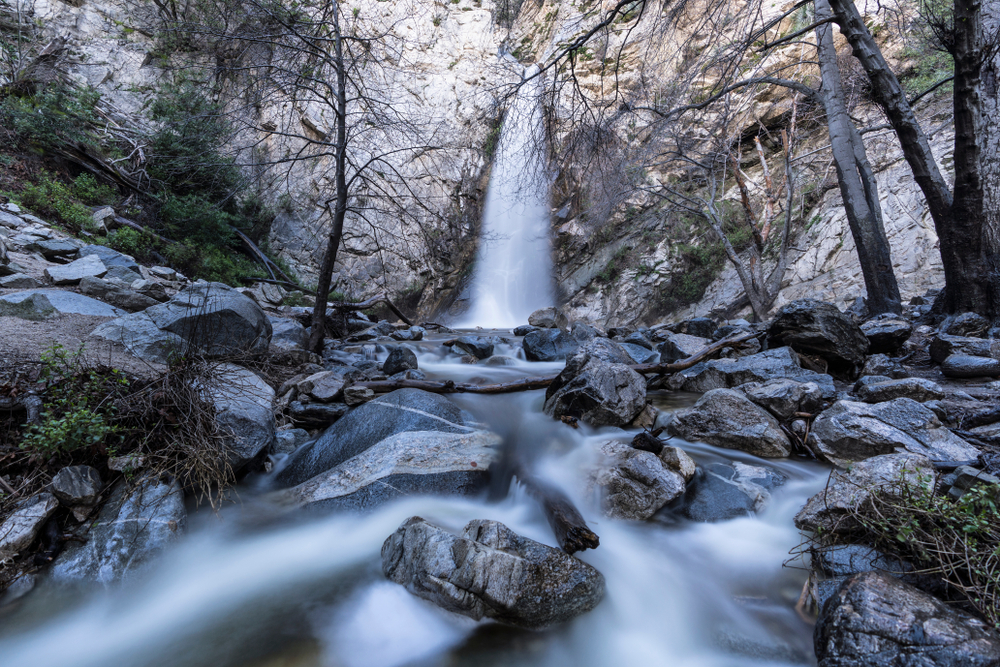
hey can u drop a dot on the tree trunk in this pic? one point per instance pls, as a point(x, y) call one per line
point(854, 174)
point(969, 286)
point(989, 143)
point(340, 207)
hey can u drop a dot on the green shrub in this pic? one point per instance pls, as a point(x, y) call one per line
point(194, 218)
point(76, 412)
point(131, 242)
point(89, 190)
point(51, 199)
point(57, 115)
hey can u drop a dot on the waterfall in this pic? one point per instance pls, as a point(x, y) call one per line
point(513, 274)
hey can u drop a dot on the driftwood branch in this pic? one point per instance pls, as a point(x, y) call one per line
point(571, 530)
point(543, 381)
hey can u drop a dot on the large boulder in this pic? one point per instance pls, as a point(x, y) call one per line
point(886, 334)
point(875, 620)
point(830, 510)
point(720, 492)
point(137, 522)
point(635, 484)
point(726, 418)
point(783, 397)
point(403, 464)
point(287, 334)
point(597, 386)
point(244, 404)
point(545, 318)
point(401, 411)
point(401, 359)
point(967, 366)
point(965, 324)
point(943, 346)
point(478, 346)
point(681, 346)
point(45, 303)
point(490, 571)
point(851, 431)
point(210, 319)
point(548, 345)
point(819, 328)
point(782, 362)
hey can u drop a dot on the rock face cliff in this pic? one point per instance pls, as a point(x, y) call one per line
point(619, 259)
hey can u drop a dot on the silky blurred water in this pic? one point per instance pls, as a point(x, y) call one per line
point(252, 588)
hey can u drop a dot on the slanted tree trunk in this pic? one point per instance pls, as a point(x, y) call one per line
point(989, 144)
point(340, 206)
point(958, 219)
point(857, 182)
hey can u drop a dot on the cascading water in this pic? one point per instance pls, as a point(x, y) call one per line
point(255, 590)
point(513, 274)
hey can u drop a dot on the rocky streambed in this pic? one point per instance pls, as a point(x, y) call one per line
point(390, 515)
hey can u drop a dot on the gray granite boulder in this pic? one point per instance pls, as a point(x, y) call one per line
point(401, 411)
point(830, 509)
point(244, 410)
point(491, 572)
point(211, 319)
point(783, 397)
point(115, 294)
point(136, 523)
point(287, 334)
point(480, 347)
point(544, 318)
point(681, 346)
point(635, 484)
point(19, 530)
point(44, 303)
point(110, 257)
point(75, 271)
point(943, 346)
point(876, 620)
point(18, 281)
point(882, 364)
point(597, 386)
point(548, 345)
point(402, 359)
point(818, 328)
point(726, 418)
point(720, 492)
point(886, 334)
point(965, 324)
point(851, 431)
point(967, 366)
point(781, 362)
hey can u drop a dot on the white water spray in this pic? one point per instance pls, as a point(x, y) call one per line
point(514, 267)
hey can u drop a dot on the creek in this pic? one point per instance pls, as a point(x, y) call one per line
point(249, 587)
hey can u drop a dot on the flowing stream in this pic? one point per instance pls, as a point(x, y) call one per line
point(251, 588)
point(513, 274)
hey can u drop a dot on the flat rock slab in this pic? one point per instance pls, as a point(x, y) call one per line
point(918, 389)
point(74, 272)
point(404, 464)
point(727, 418)
point(490, 571)
point(851, 431)
point(782, 362)
point(22, 526)
point(968, 366)
point(44, 303)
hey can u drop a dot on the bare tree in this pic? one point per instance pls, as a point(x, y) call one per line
point(959, 217)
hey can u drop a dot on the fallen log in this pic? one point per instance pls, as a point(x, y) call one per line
point(571, 530)
point(542, 381)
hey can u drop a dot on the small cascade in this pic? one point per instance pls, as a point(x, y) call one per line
point(514, 267)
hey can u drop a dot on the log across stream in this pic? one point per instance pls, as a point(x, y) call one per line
point(255, 589)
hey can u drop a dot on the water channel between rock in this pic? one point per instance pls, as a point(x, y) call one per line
point(254, 588)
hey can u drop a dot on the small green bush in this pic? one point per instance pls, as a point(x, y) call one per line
point(57, 115)
point(131, 242)
point(76, 414)
point(90, 191)
point(52, 199)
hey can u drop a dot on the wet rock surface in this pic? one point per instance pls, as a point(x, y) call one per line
point(726, 418)
point(597, 386)
point(830, 508)
point(488, 571)
point(719, 492)
point(874, 620)
point(635, 484)
point(819, 328)
point(851, 431)
point(135, 524)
